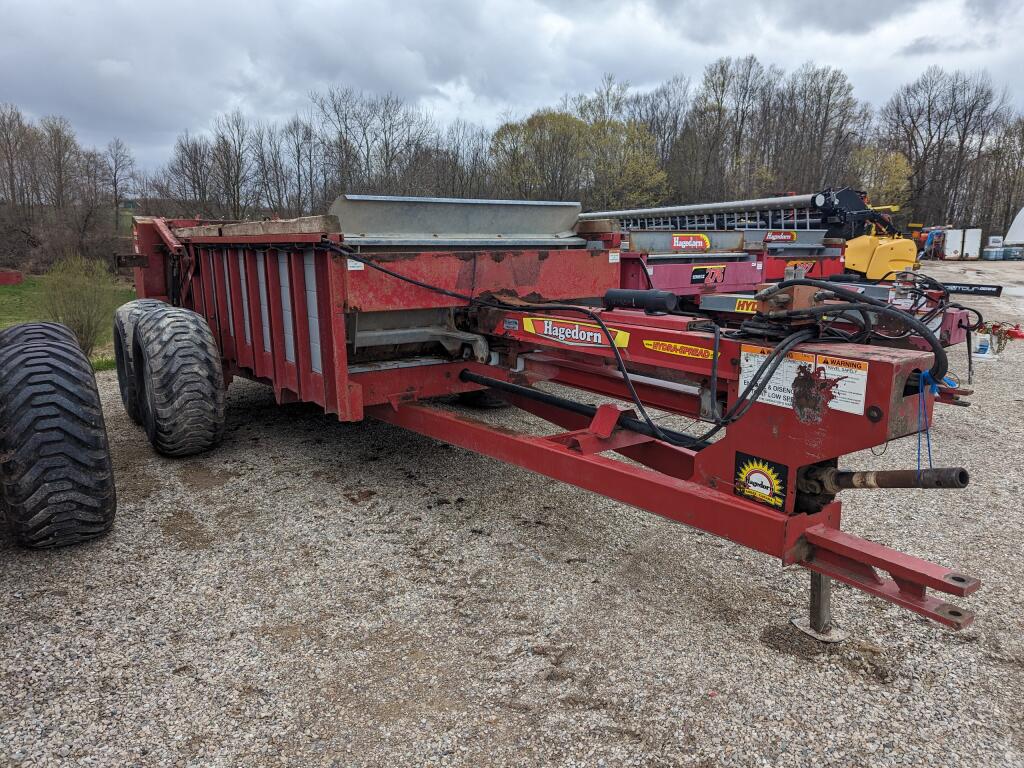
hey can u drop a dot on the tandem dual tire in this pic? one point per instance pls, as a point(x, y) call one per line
point(170, 375)
point(56, 478)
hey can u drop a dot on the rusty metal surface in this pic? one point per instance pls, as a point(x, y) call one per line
point(526, 275)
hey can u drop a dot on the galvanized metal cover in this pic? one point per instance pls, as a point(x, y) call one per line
point(383, 220)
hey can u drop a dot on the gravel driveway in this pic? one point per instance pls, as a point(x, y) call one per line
point(316, 593)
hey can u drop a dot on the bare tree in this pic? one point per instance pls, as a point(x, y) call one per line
point(233, 165)
point(188, 176)
point(60, 153)
point(119, 165)
point(662, 111)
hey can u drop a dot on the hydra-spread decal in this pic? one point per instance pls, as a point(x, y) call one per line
point(780, 236)
point(683, 350)
point(760, 480)
point(573, 333)
point(690, 241)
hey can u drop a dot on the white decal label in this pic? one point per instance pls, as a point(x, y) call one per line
point(613, 257)
point(355, 266)
point(846, 379)
point(851, 377)
point(780, 389)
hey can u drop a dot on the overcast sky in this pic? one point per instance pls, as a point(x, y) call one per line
point(147, 71)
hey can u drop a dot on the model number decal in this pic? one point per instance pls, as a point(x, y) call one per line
point(710, 274)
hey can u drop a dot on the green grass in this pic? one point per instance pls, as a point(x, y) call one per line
point(23, 303)
point(20, 303)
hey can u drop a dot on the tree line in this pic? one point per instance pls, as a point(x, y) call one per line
point(947, 147)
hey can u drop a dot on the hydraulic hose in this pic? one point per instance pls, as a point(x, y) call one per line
point(940, 365)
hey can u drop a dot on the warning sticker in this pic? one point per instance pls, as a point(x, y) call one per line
point(847, 379)
point(780, 388)
point(851, 382)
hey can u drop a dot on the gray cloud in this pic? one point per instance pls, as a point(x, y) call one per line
point(929, 45)
point(148, 70)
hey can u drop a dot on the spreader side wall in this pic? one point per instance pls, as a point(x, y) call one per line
point(280, 310)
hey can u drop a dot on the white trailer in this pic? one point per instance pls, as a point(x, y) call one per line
point(972, 244)
point(953, 245)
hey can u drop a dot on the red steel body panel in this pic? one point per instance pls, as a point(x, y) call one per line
point(691, 279)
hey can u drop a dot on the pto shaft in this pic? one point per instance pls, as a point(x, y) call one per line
point(942, 477)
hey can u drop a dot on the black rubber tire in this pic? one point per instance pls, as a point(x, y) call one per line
point(56, 478)
point(125, 318)
point(180, 381)
point(26, 332)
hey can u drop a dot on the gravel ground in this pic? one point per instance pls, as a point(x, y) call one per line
point(316, 593)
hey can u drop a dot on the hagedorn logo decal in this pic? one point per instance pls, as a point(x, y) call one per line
point(780, 236)
point(760, 480)
point(572, 333)
point(690, 241)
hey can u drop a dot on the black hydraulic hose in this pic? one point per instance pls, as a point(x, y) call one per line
point(940, 366)
point(626, 422)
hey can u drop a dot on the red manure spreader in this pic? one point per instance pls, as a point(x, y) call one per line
point(386, 304)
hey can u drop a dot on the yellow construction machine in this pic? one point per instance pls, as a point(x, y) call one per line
point(882, 249)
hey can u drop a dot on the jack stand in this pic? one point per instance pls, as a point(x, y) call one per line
point(818, 623)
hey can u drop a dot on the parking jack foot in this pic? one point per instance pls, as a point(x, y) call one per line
point(818, 623)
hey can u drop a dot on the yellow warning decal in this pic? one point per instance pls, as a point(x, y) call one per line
point(748, 306)
point(682, 350)
point(842, 363)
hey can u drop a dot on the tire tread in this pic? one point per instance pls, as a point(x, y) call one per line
point(180, 381)
point(56, 477)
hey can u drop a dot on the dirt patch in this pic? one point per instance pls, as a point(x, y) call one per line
point(858, 656)
point(134, 481)
point(199, 476)
point(182, 527)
